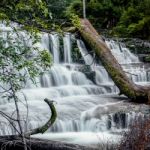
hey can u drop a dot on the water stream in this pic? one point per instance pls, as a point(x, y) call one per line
point(89, 108)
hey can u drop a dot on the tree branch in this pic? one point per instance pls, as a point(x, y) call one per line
point(42, 129)
point(49, 123)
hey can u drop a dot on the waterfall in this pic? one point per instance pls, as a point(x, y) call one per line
point(121, 53)
point(85, 54)
point(67, 48)
point(88, 106)
point(55, 47)
point(45, 41)
point(124, 57)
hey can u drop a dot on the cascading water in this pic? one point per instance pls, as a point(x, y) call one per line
point(85, 54)
point(121, 53)
point(55, 47)
point(67, 48)
point(89, 110)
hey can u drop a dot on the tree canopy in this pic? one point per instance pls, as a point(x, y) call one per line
point(126, 18)
point(31, 13)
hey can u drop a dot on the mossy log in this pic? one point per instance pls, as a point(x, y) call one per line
point(48, 124)
point(136, 93)
point(70, 29)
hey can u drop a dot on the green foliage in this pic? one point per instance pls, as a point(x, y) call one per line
point(20, 61)
point(74, 8)
point(126, 18)
point(58, 8)
point(33, 13)
point(102, 13)
point(20, 57)
point(135, 21)
point(75, 21)
point(147, 59)
point(37, 14)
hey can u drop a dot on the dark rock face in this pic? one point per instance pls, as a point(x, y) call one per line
point(139, 47)
point(136, 45)
point(91, 76)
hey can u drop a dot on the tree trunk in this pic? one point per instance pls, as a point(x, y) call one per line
point(11, 143)
point(136, 93)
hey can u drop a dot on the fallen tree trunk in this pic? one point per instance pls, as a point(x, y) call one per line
point(11, 143)
point(136, 93)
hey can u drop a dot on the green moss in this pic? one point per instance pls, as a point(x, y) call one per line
point(147, 58)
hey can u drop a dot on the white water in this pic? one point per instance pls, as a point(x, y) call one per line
point(121, 53)
point(87, 110)
point(55, 47)
point(85, 54)
point(67, 48)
